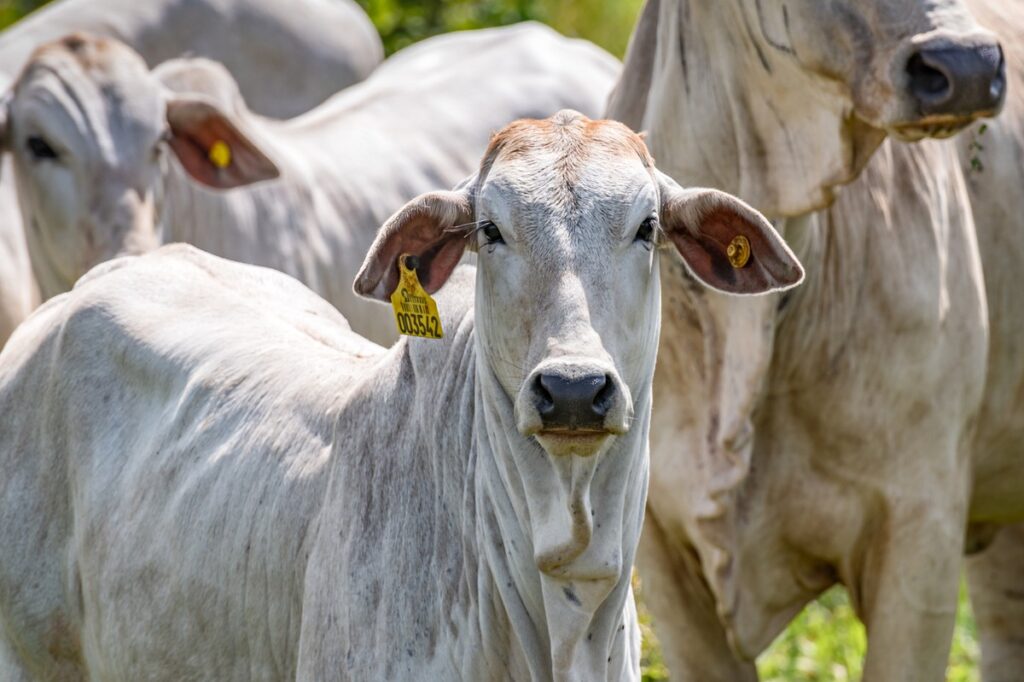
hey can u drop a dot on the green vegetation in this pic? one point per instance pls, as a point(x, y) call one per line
point(826, 642)
point(605, 22)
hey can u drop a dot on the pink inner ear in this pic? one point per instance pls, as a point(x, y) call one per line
point(437, 264)
point(194, 135)
point(705, 250)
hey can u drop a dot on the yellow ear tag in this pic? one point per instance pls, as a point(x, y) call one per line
point(220, 154)
point(738, 251)
point(415, 311)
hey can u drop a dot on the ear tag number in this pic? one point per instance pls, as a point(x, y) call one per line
point(738, 251)
point(415, 311)
point(220, 154)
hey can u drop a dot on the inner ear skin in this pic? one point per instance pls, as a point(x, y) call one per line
point(192, 143)
point(438, 261)
point(705, 249)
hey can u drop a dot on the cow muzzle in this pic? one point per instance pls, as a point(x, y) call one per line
point(951, 85)
point(573, 407)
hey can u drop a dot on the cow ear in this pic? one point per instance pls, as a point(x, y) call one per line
point(211, 148)
point(725, 243)
point(434, 227)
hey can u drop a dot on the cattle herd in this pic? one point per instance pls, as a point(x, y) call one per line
point(219, 461)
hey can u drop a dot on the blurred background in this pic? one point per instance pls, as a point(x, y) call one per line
point(826, 643)
point(402, 22)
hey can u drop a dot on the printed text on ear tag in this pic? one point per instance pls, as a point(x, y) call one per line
point(415, 311)
point(220, 154)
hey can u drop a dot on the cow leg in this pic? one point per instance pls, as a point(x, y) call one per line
point(906, 592)
point(692, 638)
point(996, 579)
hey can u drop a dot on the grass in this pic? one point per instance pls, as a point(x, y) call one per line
point(826, 643)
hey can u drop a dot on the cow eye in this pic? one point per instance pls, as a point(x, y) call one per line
point(40, 149)
point(645, 233)
point(491, 233)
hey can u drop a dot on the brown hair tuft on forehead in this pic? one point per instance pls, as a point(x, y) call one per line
point(90, 51)
point(568, 132)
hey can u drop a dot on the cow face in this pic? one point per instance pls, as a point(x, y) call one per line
point(914, 68)
point(87, 125)
point(567, 215)
point(782, 101)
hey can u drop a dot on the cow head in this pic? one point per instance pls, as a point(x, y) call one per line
point(782, 100)
point(87, 125)
point(567, 216)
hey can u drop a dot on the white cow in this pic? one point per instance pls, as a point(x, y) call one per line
point(831, 440)
point(209, 477)
point(287, 57)
point(87, 122)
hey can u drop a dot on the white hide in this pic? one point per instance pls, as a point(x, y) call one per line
point(421, 121)
point(832, 438)
point(286, 56)
point(210, 477)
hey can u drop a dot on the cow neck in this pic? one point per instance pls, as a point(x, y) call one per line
point(713, 361)
point(577, 622)
point(724, 117)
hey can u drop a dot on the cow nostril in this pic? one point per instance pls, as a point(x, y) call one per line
point(572, 403)
point(542, 399)
point(926, 81)
point(604, 397)
point(957, 81)
point(998, 86)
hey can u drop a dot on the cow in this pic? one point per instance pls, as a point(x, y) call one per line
point(832, 441)
point(209, 476)
point(286, 57)
point(421, 121)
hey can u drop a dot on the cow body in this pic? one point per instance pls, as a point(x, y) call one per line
point(217, 479)
point(838, 447)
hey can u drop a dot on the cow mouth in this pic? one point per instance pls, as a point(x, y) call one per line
point(580, 442)
point(935, 127)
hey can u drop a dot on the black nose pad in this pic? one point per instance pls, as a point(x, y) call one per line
point(958, 81)
point(572, 404)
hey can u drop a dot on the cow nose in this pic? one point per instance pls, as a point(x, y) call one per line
point(573, 403)
point(959, 81)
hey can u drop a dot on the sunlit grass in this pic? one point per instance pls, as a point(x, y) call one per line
point(826, 643)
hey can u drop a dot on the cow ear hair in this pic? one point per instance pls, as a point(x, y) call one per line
point(725, 243)
point(434, 227)
point(211, 148)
